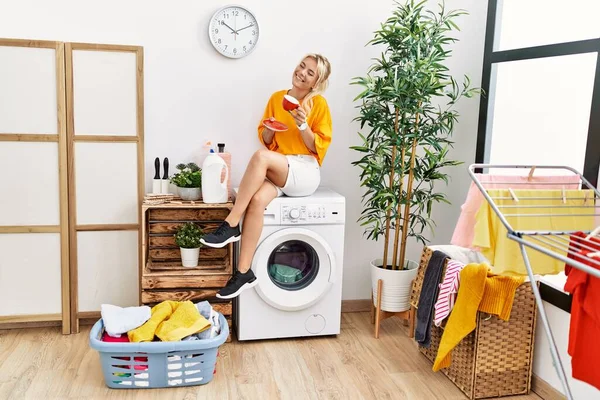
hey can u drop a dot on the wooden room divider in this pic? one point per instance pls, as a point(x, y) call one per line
point(73, 155)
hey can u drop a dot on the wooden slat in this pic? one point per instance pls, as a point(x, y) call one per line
point(64, 187)
point(106, 138)
point(73, 275)
point(106, 227)
point(45, 44)
point(30, 318)
point(174, 268)
point(105, 47)
point(26, 137)
point(177, 203)
point(194, 295)
point(183, 281)
point(141, 176)
point(164, 228)
point(206, 253)
point(188, 214)
point(30, 229)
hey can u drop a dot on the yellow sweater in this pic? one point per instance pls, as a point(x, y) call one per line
point(479, 290)
point(290, 141)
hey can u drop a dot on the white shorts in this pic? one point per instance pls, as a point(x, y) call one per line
point(304, 176)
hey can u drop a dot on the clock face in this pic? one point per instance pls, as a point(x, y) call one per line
point(233, 31)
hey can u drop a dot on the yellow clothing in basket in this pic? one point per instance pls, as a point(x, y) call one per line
point(504, 253)
point(170, 321)
point(479, 290)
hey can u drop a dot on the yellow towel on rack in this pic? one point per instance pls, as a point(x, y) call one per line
point(480, 290)
point(504, 253)
point(170, 321)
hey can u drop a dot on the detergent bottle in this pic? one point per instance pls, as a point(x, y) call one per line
point(214, 189)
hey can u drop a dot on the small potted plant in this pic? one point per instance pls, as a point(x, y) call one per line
point(188, 180)
point(188, 239)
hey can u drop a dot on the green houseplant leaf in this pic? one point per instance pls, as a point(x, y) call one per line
point(406, 116)
point(187, 176)
point(188, 236)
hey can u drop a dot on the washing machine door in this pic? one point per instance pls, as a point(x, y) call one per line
point(295, 268)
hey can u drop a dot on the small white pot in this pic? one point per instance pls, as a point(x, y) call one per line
point(189, 193)
point(396, 287)
point(189, 257)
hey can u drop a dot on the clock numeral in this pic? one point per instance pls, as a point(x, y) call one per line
point(216, 31)
point(221, 22)
point(225, 47)
point(250, 42)
point(253, 33)
point(235, 13)
point(234, 50)
point(226, 16)
point(245, 16)
point(244, 48)
point(219, 41)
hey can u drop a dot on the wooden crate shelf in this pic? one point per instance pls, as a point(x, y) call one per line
point(162, 277)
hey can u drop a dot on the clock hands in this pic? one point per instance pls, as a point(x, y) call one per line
point(246, 27)
point(232, 30)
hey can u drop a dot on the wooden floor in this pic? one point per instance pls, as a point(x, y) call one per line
point(44, 364)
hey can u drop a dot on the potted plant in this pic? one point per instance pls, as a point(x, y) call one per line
point(406, 115)
point(188, 238)
point(188, 180)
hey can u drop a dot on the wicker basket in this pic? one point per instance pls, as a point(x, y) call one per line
point(495, 359)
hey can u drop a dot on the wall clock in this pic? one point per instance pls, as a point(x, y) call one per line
point(233, 31)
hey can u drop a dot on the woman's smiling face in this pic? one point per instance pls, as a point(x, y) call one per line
point(305, 74)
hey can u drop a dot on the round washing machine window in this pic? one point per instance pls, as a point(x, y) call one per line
point(293, 265)
point(295, 268)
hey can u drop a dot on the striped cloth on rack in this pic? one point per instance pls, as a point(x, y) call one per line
point(448, 291)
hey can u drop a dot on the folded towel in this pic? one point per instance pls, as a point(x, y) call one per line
point(429, 294)
point(118, 320)
point(479, 290)
point(170, 321)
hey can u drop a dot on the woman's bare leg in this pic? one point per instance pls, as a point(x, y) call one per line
point(263, 164)
point(253, 224)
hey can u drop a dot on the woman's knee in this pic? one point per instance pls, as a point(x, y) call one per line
point(260, 200)
point(260, 156)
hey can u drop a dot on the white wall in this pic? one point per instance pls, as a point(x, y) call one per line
point(542, 359)
point(193, 94)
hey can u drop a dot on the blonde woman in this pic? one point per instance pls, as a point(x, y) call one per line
point(289, 165)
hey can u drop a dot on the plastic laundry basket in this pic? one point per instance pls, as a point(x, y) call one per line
point(158, 364)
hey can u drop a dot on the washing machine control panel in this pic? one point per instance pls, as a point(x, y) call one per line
point(310, 213)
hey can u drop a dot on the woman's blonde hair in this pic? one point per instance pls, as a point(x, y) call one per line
point(323, 72)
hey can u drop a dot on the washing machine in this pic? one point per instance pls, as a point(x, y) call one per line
point(299, 264)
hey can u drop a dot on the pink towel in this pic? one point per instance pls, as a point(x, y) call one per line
point(464, 231)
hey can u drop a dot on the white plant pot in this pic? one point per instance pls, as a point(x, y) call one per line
point(396, 287)
point(189, 193)
point(189, 257)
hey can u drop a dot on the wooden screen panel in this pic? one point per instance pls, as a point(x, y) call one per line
point(29, 177)
point(108, 269)
point(106, 183)
point(34, 181)
point(30, 274)
point(28, 87)
point(104, 92)
point(105, 130)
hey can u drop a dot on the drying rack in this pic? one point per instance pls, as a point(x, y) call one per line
point(552, 243)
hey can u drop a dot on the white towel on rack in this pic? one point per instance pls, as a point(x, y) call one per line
point(118, 320)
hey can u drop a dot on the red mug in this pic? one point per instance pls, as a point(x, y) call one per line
point(290, 103)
